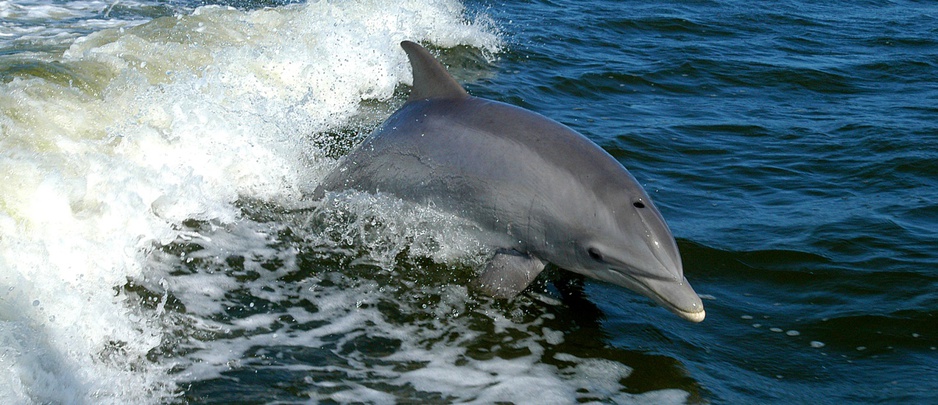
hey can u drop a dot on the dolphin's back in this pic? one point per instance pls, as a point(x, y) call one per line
point(473, 155)
point(480, 159)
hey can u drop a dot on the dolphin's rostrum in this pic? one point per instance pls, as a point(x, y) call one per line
point(541, 191)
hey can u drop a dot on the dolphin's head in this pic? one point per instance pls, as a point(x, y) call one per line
point(628, 243)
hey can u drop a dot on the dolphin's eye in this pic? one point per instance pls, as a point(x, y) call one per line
point(595, 254)
point(638, 204)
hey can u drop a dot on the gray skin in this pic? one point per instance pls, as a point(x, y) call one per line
point(540, 191)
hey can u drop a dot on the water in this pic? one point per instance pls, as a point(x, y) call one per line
point(156, 245)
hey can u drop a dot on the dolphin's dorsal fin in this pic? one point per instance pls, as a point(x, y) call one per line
point(431, 80)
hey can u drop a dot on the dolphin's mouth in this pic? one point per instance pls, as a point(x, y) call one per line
point(678, 297)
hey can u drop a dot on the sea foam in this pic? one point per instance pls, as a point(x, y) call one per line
point(108, 149)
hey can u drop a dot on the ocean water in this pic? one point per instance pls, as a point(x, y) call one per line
point(157, 244)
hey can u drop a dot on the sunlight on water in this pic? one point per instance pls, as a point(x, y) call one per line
point(106, 151)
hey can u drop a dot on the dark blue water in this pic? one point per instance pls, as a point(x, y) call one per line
point(791, 147)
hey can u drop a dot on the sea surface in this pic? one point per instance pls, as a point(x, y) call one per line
point(158, 245)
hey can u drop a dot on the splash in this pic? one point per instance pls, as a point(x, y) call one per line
point(106, 151)
point(339, 304)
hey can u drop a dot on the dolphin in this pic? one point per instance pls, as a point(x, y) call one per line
point(539, 191)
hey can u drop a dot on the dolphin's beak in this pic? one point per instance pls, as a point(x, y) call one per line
point(665, 282)
point(677, 296)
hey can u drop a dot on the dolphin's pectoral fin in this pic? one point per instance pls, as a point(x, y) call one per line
point(508, 273)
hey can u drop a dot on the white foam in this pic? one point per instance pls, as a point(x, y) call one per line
point(42, 11)
point(433, 351)
point(159, 123)
point(41, 24)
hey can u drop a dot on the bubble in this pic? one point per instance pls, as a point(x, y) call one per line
point(816, 344)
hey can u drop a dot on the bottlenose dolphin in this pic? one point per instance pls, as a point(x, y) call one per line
point(540, 191)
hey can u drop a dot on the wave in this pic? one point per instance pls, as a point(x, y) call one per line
point(108, 150)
